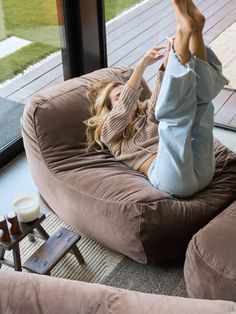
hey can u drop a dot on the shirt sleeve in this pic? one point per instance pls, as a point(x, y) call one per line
point(119, 117)
point(153, 99)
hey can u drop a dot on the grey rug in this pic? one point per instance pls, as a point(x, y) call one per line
point(166, 278)
point(99, 261)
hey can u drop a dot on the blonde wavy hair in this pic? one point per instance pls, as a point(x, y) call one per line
point(100, 107)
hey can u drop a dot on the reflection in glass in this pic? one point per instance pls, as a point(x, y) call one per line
point(31, 20)
point(29, 32)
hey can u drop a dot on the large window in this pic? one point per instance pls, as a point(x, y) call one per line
point(29, 33)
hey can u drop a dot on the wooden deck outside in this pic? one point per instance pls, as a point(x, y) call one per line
point(128, 38)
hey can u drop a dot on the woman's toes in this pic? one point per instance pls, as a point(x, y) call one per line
point(198, 17)
point(185, 22)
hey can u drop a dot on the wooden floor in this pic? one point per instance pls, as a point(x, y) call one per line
point(128, 38)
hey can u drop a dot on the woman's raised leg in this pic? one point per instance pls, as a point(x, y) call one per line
point(173, 171)
point(185, 159)
point(185, 26)
point(196, 43)
point(209, 82)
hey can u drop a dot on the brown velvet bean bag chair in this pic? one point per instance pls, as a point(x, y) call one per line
point(210, 265)
point(104, 198)
point(22, 293)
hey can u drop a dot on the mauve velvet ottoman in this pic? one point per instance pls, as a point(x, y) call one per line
point(23, 293)
point(210, 264)
point(103, 198)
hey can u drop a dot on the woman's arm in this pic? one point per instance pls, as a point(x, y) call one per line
point(156, 91)
point(120, 116)
point(160, 74)
point(151, 57)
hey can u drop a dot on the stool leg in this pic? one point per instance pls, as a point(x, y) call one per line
point(16, 257)
point(2, 253)
point(43, 232)
point(77, 254)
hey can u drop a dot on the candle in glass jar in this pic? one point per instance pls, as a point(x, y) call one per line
point(5, 236)
point(26, 207)
point(13, 220)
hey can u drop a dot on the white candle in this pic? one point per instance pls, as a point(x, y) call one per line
point(11, 215)
point(26, 207)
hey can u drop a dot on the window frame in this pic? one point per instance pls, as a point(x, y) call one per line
point(68, 17)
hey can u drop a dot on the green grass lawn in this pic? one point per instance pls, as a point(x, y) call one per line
point(115, 7)
point(37, 21)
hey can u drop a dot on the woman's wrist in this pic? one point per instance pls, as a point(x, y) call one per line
point(140, 66)
point(137, 76)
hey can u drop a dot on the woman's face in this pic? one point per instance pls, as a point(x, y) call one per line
point(115, 94)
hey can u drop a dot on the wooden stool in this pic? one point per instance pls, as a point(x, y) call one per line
point(31, 229)
point(53, 250)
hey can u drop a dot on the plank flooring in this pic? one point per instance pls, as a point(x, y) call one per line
point(128, 38)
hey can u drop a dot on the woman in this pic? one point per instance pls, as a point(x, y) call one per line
point(179, 159)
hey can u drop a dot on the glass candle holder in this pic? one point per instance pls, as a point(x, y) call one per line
point(4, 234)
point(26, 207)
point(13, 220)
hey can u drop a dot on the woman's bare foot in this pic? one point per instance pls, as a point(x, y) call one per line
point(196, 43)
point(198, 17)
point(185, 23)
point(185, 27)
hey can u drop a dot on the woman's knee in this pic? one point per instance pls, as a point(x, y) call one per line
point(187, 189)
point(210, 81)
point(204, 181)
point(181, 188)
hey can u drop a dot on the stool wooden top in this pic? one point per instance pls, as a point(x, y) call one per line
point(52, 251)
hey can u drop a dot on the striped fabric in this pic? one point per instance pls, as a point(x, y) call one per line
point(137, 149)
point(99, 261)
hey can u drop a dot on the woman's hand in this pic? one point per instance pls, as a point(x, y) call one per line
point(152, 56)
